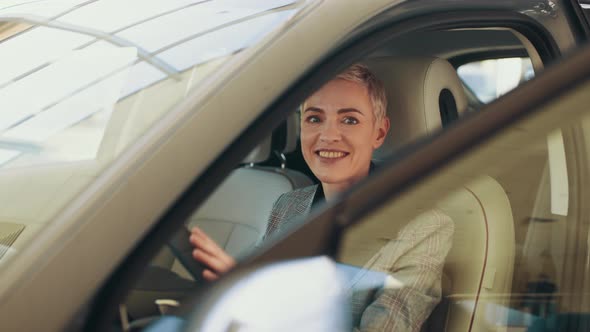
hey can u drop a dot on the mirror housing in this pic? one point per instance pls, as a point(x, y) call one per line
point(306, 294)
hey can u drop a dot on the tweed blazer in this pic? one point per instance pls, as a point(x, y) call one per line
point(415, 258)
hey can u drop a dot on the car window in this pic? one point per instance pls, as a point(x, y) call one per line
point(81, 81)
point(495, 240)
point(489, 79)
point(138, 51)
point(239, 213)
point(518, 246)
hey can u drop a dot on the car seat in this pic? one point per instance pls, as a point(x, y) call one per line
point(425, 93)
point(236, 214)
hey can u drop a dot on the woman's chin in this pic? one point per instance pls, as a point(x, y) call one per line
point(331, 179)
point(338, 176)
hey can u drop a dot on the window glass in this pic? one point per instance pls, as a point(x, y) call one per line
point(74, 96)
point(487, 242)
point(58, 106)
point(180, 25)
point(42, 8)
point(489, 79)
point(79, 80)
point(92, 15)
point(479, 227)
point(517, 258)
point(55, 44)
point(220, 42)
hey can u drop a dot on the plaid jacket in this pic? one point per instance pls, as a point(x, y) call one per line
point(415, 258)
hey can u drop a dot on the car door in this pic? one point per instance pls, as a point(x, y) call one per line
point(331, 66)
point(534, 277)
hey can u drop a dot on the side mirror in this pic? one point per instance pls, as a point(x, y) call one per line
point(299, 295)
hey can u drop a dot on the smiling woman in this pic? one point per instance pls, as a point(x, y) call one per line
point(341, 125)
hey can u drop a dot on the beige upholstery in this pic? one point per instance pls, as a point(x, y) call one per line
point(213, 210)
point(413, 89)
point(236, 214)
point(292, 134)
point(260, 153)
point(297, 179)
point(480, 264)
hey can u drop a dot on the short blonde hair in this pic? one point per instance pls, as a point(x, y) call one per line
point(359, 73)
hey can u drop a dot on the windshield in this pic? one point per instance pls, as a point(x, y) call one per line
point(81, 80)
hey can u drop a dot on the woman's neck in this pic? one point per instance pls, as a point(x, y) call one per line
point(333, 189)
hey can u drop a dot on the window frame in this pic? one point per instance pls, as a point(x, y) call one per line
point(424, 159)
point(365, 39)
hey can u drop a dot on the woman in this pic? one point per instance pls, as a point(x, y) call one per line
point(341, 125)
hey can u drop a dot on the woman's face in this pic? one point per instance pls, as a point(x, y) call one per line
point(339, 132)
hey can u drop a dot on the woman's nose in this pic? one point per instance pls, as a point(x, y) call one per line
point(330, 132)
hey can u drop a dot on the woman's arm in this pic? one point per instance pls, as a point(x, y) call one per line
point(416, 259)
point(207, 252)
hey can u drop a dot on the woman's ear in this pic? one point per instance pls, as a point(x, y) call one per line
point(382, 130)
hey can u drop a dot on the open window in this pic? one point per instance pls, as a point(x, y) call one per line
point(520, 238)
point(431, 103)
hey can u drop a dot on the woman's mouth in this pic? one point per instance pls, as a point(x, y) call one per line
point(331, 154)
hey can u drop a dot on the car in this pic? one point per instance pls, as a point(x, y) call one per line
point(124, 122)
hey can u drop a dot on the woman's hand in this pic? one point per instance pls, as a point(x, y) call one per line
point(208, 253)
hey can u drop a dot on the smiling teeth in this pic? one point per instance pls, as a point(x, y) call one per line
point(331, 154)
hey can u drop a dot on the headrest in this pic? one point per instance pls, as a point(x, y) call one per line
point(260, 153)
point(292, 132)
point(284, 140)
point(419, 90)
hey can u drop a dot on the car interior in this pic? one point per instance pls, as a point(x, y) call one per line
point(499, 218)
point(419, 84)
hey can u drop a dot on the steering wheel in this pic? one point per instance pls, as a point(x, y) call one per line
point(182, 249)
point(163, 283)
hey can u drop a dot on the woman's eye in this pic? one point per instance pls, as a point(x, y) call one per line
point(350, 120)
point(313, 119)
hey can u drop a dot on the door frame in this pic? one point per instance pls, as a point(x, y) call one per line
point(105, 303)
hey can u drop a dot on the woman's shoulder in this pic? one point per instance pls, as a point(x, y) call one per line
point(300, 193)
point(297, 197)
point(289, 206)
